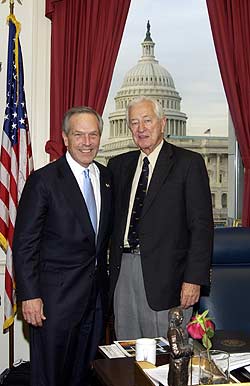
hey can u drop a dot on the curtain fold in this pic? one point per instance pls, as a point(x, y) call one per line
point(230, 25)
point(85, 40)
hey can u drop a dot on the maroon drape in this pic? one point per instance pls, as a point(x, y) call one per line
point(230, 24)
point(85, 40)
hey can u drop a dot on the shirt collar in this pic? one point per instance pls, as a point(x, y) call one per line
point(152, 157)
point(78, 169)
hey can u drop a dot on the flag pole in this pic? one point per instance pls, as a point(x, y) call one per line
point(11, 327)
point(15, 128)
point(12, 7)
point(11, 345)
point(11, 3)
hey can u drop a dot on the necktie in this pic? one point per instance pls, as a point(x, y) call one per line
point(89, 197)
point(140, 194)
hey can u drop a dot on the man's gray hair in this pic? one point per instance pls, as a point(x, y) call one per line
point(80, 110)
point(157, 107)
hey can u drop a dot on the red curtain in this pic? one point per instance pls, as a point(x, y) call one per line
point(86, 36)
point(230, 24)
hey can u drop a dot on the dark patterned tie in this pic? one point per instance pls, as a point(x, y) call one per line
point(133, 237)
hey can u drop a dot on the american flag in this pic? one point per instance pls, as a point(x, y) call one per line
point(16, 162)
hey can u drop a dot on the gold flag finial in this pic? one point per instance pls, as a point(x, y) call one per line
point(12, 2)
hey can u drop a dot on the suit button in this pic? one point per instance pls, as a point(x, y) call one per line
point(121, 247)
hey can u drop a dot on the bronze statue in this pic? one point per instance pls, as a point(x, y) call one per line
point(180, 349)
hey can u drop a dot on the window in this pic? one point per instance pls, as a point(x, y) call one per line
point(213, 200)
point(207, 121)
point(224, 200)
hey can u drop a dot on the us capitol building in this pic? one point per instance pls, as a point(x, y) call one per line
point(150, 79)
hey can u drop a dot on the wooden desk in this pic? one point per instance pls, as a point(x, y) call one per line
point(114, 372)
point(120, 371)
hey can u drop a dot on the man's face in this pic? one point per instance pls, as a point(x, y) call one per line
point(147, 129)
point(83, 138)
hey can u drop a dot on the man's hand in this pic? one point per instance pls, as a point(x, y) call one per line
point(33, 312)
point(190, 294)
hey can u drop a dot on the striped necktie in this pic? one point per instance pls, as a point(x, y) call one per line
point(89, 197)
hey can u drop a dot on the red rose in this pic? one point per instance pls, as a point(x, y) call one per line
point(195, 329)
point(201, 327)
point(209, 324)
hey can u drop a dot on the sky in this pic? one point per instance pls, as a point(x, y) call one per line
point(184, 46)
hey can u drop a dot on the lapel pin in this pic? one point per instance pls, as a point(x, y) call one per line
point(107, 185)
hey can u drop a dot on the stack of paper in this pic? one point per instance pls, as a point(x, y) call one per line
point(127, 348)
point(238, 360)
point(159, 375)
point(112, 351)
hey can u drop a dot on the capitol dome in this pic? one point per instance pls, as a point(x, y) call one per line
point(148, 78)
point(148, 72)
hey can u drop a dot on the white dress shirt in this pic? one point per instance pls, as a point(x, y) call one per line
point(94, 174)
point(152, 157)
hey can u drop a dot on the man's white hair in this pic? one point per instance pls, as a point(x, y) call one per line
point(157, 107)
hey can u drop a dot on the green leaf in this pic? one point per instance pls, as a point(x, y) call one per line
point(193, 322)
point(206, 342)
point(204, 314)
point(210, 332)
point(209, 344)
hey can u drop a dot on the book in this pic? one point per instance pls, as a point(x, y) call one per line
point(128, 346)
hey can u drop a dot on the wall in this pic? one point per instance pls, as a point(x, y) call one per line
point(35, 43)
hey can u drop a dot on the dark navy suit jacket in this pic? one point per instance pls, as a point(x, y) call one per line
point(54, 248)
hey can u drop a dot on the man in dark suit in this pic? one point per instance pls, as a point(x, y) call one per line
point(60, 251)
point(163, 228)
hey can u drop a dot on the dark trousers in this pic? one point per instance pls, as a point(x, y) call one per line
point(66, 361)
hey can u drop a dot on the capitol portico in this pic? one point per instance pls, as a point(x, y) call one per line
point(150, 79)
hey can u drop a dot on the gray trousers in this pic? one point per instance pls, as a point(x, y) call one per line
point(133, 316)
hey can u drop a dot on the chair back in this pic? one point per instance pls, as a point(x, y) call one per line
point(229, 299)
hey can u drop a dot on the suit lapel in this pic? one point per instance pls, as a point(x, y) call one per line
point(73, 195)
point(161, 171)
point(105, 189)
